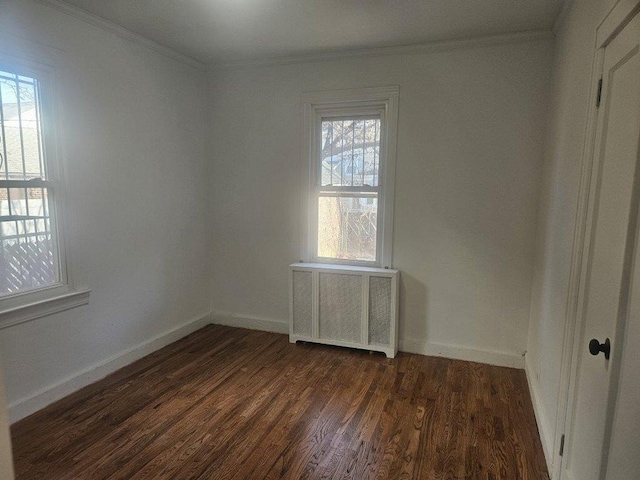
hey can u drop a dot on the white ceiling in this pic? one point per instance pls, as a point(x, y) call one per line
point(223, 30)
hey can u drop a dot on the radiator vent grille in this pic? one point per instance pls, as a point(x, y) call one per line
point(349, 306)
point(340, 307)
point(302, 302)
point(379, 311)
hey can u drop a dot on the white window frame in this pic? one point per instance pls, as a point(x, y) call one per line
point(379, 101)
point(43, 63)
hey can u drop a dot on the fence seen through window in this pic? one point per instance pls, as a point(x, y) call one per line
point(349, 188)
point(29, 259)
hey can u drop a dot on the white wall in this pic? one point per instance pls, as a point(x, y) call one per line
point(574, 51)
point(469, 161)
point(6, 455)
point(136, 166)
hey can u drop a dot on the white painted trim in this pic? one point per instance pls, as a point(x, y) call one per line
point(45, 63)
point(459, 352)
point(252, 323)
point(31, 54)
point(316, 104)
point(413, 49)
point(542, 419)
point(491, 357)
point(26, 406)
point(616, 20)
point(49, 306)
point(315, 304)
point(572, 326)
point(364, 316)
point(612, 23)
point(365, 275)
point(351, 95)
point(348, 269)
point(123, 32)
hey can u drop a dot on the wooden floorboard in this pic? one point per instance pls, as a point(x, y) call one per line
point(228, 403)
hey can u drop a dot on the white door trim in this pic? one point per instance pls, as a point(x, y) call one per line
point(613, 22)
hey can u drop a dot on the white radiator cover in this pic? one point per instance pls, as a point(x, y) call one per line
point(344, 305)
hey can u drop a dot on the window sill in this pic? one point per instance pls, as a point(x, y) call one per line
point(42, 308)
point(335, 267)
point(346, 263)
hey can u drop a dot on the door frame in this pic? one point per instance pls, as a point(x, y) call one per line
point(619, 16)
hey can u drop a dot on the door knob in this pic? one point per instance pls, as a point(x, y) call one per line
point(595, 347)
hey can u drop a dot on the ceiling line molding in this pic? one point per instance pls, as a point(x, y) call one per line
point(123, 32)
point(563, 13)
point(414, 49)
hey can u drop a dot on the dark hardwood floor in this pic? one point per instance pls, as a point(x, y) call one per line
point(226, 403)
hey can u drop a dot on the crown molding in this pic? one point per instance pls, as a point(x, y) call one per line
point(30, 51)
point(413, 49)
point(239, 62)
point(123, 32)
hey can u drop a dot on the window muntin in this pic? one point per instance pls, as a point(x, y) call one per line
point(350, 151)
point(348, 187)
point(29, 254)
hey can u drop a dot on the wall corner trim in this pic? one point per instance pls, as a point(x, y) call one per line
point(546, 433)
point(26, 406)
point(123, 32)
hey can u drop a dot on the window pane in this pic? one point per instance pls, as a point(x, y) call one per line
point(347, 227)
point(28, 255)
point(350, 151)
point(21, 150)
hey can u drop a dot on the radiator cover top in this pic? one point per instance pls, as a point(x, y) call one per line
point(344, 305)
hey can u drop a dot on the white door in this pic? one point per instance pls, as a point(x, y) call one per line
point(603, 432)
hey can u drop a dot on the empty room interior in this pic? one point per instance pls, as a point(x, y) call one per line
point(366, 239)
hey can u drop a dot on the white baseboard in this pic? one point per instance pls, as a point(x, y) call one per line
point(503, 359)
point(457, 352)
point(26, 406)
point(546, 432)
point(253, 323)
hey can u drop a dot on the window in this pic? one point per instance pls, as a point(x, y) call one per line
point(29, 247)
point(35, 274)
point(349, 158)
